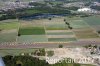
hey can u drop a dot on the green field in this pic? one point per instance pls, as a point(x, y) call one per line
point(86, 35)
point(56, 27)
point(93, 21)
point(61, 39)
point(8, 30)
point(82, 28)
point(9, 25)
point(32, 31)
point(8, 37)
point(59, 33)
point(32, 38)
point(78, 24)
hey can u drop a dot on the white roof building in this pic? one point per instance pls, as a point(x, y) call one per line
point(84, 10)
point(87, 10)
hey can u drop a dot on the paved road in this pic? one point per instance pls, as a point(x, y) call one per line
point(49, 45)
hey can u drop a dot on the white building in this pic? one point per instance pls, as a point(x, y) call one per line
point(87, 10)
point(84, 10)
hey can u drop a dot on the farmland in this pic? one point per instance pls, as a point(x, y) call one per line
point(49, 30)
point(93, 21)
point(44, 30)
point(8, 30)
point(82, 29)
point(32, 31)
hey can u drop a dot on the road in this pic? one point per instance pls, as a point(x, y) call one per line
point(49, 45)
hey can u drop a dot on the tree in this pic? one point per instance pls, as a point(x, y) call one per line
point(24, 61)
point(33, 61)
point(89, 45)
point(70, 27)
point(95, 46)
point(99, 32)
point(18, 63)
point(40, 52)
point(8, 59)
point(64, 20)
point(50, 18)
point(50, 53)
point(0, 29)
point(60, 46)
point(19, 34)
point(76, 64)
point(67, 23)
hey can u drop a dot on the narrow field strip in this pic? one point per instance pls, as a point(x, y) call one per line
point(51, 31)
point(32, 38)
point(60, 33)
point(60, 36)
point(61, 39)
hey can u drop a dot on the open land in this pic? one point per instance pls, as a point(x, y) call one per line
point(73, 53)
point(54, 30)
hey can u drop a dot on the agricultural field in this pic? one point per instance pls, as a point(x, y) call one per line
point(77, 24)
point(82, 29)
point(8, 30)
point(32, 31)
point(93, 21)
point(17, 52)
point(32, 38)
point(49, 30)
point(45, 30)
point(8, 37)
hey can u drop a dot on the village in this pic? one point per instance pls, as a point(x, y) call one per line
point(82, 7)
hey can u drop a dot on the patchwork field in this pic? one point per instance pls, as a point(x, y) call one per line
point(46, 30)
